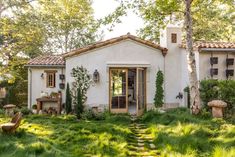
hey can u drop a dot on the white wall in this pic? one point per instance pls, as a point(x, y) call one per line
point(175, 74)
point(205, 65)
point(39, 84)
point(126, 52)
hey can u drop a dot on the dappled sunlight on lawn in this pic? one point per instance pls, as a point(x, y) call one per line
point(65, 136)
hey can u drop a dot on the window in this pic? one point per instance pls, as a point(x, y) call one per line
point(174, 38)
point(50, 80)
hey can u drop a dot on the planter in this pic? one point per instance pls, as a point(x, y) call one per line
point(34, 111)
point(62, 76)
point(62, 85)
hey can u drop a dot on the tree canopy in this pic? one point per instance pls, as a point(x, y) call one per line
point(212, 19)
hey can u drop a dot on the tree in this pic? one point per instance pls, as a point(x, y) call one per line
point(70, 24)
point(194, 85)
point(79, 104)
point(159, 94)
point(68, 101)
point(212, 20)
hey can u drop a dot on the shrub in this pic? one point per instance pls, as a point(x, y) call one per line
point(2, 111)
point(25, 111)
point(68, 103)
point(90, 115)
point(222, 89)
point(34, 106)
point(79, 104)
point(159, 94)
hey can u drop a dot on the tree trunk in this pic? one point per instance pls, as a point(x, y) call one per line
point(194, 84)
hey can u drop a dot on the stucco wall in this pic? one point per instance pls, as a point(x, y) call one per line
point(175, 60)
point(39, 84)
point(205, 65)
point(127, 53)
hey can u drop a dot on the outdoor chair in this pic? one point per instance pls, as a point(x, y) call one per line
point(13, 124)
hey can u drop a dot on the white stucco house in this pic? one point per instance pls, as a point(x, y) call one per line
point(127, 67)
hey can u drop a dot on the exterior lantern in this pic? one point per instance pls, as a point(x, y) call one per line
point(96, 76)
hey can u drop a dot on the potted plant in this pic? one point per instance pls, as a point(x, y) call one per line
point(34, 108)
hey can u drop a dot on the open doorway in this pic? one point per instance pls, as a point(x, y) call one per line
point(132, 91)
point(127, 90)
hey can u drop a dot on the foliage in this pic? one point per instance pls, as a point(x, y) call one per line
point(178, 133)
point(68, 101)
point(15, 82)
point(159, 94)
point(205, 14)
point(82, 81)
point(2, 111)
point(89, 114)
point(46, 136)
point(34, 106)
point(79, 104)
point(219, 89)
point(70, 24)
point(25, 111)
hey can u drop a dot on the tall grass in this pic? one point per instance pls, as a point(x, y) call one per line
point(65, 136)
point(178, 133)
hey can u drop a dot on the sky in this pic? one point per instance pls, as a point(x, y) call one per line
point(130, 23)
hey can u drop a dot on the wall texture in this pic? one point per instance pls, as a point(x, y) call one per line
point(39, 84)
point(123, 54)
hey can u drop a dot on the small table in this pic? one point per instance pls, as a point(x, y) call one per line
point(9, 109)
point(41, 101)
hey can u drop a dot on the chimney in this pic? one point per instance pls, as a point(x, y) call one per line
point(171, 36)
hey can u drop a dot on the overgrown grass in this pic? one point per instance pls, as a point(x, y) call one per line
point(177, 133)
point(65, 136)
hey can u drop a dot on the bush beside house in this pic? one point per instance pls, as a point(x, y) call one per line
point(219, 89)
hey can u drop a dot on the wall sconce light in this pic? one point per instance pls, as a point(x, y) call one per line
point(96, 76)
point(42, 76)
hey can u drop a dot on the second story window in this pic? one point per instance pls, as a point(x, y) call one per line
point(51, 79)
point(173, 38)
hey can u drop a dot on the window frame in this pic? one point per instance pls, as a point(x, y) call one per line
point(51, 78)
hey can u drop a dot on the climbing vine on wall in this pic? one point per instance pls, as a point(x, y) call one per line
point(159, 94)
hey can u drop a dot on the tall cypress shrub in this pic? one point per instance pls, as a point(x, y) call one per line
point(79, 104)
point(68, 101)
point(159, 94)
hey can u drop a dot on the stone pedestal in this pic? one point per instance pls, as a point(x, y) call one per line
point(217, 108)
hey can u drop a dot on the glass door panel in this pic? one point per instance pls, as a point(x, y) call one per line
point(140, 91)
point(118, 90)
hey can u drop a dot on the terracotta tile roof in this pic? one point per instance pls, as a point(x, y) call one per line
point(48, 60)
point(205, 44)
point(113, 41)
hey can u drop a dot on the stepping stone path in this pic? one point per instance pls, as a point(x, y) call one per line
point(140, 142)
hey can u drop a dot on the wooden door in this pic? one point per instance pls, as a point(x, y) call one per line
point(140, 91)
point(118, 83)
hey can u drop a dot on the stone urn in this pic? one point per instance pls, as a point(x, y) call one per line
point(217, 108)
point(9, 109)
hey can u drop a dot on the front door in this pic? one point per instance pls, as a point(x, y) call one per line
point(118, 90)
point(140, 91)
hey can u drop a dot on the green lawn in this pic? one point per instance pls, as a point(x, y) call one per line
point(65, 136)
point(175, 133)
